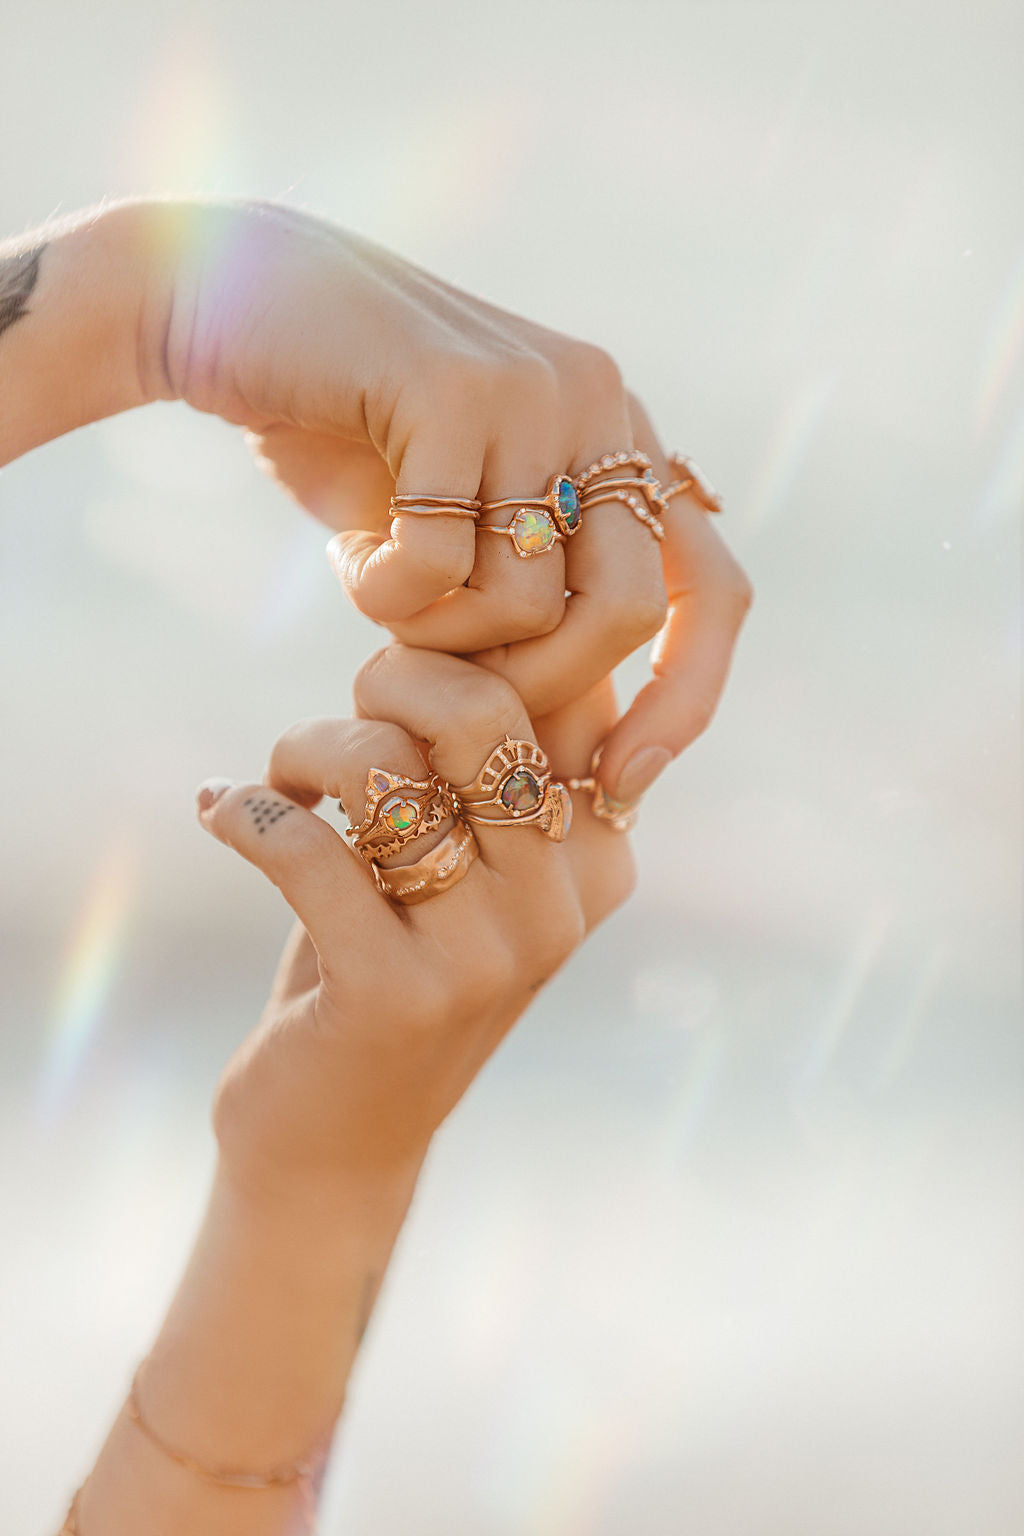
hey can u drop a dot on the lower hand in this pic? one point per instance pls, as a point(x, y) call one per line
point(381, 1016)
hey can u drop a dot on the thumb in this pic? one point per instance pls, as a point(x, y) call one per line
point(326, 887)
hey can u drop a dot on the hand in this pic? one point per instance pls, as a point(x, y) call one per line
point(359, 374)
point(380, 1017)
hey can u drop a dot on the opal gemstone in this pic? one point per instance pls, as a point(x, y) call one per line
point(521, 791)
point(380, 783)
point(568, 503)
point(532, 531)
point(400, 814)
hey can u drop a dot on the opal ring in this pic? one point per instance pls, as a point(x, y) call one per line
point(539, 522)
point(690, 477)
point(439, 870)
point(515, 788)
point(398, 810)
point(621, 815)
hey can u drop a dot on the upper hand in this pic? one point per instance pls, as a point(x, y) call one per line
point(359, 375)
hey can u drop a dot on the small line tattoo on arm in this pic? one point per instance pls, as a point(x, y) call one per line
point(18, 277)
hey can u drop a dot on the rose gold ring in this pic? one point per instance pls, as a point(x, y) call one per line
point(561, 501)
point(621, 815)
point(440, 869)
point(408, 505)
point(690, 477)
point(532, 531)
point(641, 496)
point(609, 461)
point(515, 788)
point(398, 810)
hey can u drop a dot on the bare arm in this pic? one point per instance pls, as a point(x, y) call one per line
point(73, 320)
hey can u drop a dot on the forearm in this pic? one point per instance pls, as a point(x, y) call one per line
point(82, 305)
point(248, 1372)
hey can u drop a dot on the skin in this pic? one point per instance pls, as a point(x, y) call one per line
point(356, 373)
point(325, 1114)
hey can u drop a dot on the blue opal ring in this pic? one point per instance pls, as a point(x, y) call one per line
point(539, 522)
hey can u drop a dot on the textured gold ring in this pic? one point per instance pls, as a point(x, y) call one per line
point(439, 870)
point(408, 505)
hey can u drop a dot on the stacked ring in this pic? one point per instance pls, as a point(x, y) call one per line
point(690, 477)
point(641, 493)
point(539, 522)
point(443, 867)
point(433, 506)
point(515, 788)
point(398, 810)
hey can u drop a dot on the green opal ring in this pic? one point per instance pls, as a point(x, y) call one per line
point(539, 522)
point(515, 788)
point(398, 810)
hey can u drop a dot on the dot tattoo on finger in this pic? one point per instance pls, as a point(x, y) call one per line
point(265, 810)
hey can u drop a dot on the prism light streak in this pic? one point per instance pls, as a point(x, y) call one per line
point(1003, 351)
point(788, 449)
point(91, 964)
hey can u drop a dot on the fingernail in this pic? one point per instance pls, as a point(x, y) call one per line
point(640, 773)
point(209, 792)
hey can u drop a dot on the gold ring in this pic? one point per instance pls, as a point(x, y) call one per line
point(621, 815)
point(398, 810)
point(609, 461)
point(561, 501)
point(690, 477)
point(640, 493)
point(515, 788)
point(408, 505)
point(437, 871)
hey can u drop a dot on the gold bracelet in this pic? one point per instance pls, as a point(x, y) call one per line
point(303, 1474)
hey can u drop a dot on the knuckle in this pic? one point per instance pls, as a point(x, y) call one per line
point(483, 703)
point(648, 613)
point(372, 668)
point(536, 610)
point(531, 376)
point(447, 559)
point(598, 371)
point(637, 617)
point(699, 713)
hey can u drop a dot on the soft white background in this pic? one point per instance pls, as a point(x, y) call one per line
point(728, 1238)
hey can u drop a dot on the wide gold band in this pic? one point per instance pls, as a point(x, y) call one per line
point(439, 870)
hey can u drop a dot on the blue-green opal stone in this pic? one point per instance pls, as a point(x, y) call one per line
point(568, 503)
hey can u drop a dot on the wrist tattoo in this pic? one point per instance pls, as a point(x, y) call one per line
point(18, 277)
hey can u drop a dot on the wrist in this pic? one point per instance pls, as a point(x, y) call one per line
point(73, 356)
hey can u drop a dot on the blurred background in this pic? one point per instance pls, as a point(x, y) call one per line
point(728, 1237)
